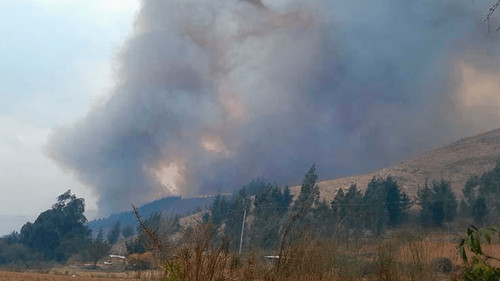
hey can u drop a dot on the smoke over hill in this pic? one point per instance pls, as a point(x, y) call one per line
point(210, 94)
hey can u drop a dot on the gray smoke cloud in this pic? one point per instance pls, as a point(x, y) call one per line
point(211, 94)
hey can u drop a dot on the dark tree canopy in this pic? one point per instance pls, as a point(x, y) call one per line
point(114, 233)
point(438, 203)
point(97, 248)
point(385, 204)
point(482, 196)
point(309, 191)
point(59, 231)
point(128, 231)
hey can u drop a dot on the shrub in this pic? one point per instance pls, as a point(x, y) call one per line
point(442, 264)
point(141, 261)
point(478, 266)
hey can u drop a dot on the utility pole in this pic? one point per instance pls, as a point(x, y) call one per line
point(242, 229)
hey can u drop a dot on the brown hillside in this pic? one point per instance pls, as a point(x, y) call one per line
point(456, 162)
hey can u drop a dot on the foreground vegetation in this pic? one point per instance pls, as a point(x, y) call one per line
point(372, 233)
point(62, 276)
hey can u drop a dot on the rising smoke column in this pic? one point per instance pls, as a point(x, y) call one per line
point(211, 94)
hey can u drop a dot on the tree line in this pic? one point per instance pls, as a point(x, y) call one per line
point(352, 213)
point(58, 234)
point(269, 215)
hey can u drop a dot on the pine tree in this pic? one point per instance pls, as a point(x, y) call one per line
point(438, 203)
point(482, 196)
point(375, 213)
point(309, 192)
point(97, 248)
point(393, 201)
point(128, 231)
point(385, 204)
point(424, 199)
point(269, 206)
point(114, 233)
point(338, 207)
point(219, 210)
point(353, 208)
point(241, 202)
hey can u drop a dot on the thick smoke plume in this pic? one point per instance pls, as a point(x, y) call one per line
point(211, 94)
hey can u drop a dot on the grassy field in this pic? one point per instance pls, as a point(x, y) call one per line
point(399, 256)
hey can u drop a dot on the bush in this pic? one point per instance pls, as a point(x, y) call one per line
point(442, 264)
point(141, 261)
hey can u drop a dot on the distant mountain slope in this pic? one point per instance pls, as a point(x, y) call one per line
point(169, 205)
point(456, 162)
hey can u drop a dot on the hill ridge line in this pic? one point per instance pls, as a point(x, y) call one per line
point(456, 162)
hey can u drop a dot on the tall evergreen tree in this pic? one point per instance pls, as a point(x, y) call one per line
point(338, 207)
point(128, 231)
point(482, 196)
point(323, 220)
point(385, 204)
point(480, 211)
point(438, 203)
point(309, 192)
point(395, 201)
point(219, 210)
point(114, 233)
point(353, 208)
point(240, 202)
point(375, 213)
point(424, 198)
point(269, 206)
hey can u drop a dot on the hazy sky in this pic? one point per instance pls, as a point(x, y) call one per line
point(56, 60)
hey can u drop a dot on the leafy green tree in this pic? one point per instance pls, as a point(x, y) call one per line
point(114, 233)
point(16, 254)
point(13, 237)
point(479, 266)
point(60, 231)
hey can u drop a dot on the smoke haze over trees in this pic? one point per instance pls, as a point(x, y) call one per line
point(212, 94)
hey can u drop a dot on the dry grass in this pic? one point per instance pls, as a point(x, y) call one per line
point(456, 162)
point(400, 256)
point(82, 276)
